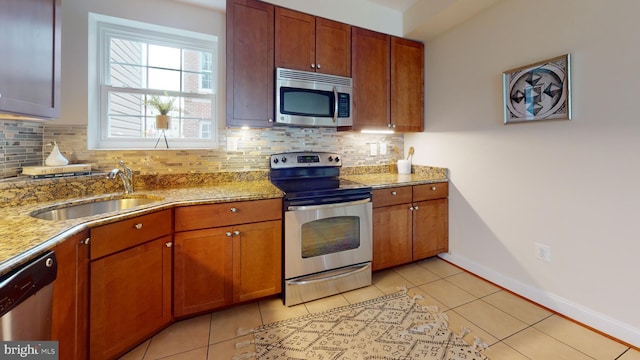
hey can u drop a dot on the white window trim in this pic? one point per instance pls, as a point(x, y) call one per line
point(97, 125)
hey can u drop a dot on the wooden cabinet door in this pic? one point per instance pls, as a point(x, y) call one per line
point(295, 36)
point(70, 296)
point(250, 70)
point(202, 270)
point(430, 228)
point(407, 85)
point(30, 71)
point(130, 297)
point(391, 236)
point(371, 73)
point(333, 47)
point(257, 260)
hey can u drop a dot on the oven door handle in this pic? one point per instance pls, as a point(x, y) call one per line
point(347, 271)
point(328, 206)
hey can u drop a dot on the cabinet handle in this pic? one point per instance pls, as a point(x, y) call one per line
point(234, 210)
point(138, 226)
point(394, 193)
point(236, 233)
point(228, 233)
point(85, 241)
point(168, 244)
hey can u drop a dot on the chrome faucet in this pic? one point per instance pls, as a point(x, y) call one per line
point(125, 174)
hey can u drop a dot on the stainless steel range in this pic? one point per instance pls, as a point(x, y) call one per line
point(327, 226)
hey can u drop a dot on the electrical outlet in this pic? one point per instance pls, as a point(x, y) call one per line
point(543, 252)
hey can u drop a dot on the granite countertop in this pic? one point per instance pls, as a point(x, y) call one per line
point(24, 237)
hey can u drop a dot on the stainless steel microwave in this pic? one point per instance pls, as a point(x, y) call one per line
point(312, 99)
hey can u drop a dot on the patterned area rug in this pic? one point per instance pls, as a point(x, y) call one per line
point(391, 327)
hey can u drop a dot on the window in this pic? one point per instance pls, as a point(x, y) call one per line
point(135, 62)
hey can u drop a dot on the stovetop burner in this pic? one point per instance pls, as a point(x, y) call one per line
point(313, 178)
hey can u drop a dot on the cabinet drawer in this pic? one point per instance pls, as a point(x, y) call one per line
point(225, 214)
point(392, 196)
point(110, 238)
point(430, 191)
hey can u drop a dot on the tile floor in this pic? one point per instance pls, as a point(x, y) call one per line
point(514, 328)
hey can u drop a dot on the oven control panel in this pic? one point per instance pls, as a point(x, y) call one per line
point(304, 159)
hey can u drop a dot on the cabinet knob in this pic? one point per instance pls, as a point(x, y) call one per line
point(168, 244)
point(394, 193)
point(138, 226)
point(85, 241)
point(433, 188)
point(416, 207)
point(236, 233)
point(228, 233)
point(410, 208)
point(270, 120)
point(234, 210)
point(313, 66)
point(318, 67)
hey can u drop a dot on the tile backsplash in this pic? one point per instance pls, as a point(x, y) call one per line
point(29, 143)
point(20, 144)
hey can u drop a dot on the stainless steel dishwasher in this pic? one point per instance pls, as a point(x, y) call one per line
point(26, 300)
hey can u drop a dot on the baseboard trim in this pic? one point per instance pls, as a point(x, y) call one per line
point(609, 326)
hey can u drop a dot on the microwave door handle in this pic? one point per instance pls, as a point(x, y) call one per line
point(335, 104)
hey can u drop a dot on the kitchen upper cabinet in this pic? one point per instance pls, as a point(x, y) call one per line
point(388, 82)
point(250, 63)
point(226, 253)
point(309, 43)
point(130, 282)
point(371, 72)
point(70, 295)
point(30, 71)
point(409, 223)
point(407, 85)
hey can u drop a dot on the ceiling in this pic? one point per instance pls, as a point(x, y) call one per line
point(422, 19)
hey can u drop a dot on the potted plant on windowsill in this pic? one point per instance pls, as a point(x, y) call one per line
point(163, 107)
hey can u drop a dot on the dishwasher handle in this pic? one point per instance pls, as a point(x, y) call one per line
point(23, 282)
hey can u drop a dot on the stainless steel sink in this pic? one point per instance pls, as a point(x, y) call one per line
point(100, 206)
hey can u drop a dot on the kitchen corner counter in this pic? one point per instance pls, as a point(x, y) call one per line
point(23, 237)
point(378, 180)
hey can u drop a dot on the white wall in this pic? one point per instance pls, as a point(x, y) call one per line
point(74, 100)
point(574, 185)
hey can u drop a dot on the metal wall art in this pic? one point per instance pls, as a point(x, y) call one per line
point(540, 91)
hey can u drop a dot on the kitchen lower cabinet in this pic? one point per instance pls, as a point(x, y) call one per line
point(226, 253)
point(130, 282)
point(70, 291)
point(203, 271)
point(409, 223)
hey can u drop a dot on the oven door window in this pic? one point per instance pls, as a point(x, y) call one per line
point(306, 102)
point(330, 235)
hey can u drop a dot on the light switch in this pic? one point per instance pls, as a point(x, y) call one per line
point(383, 148)
point(374, 149)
